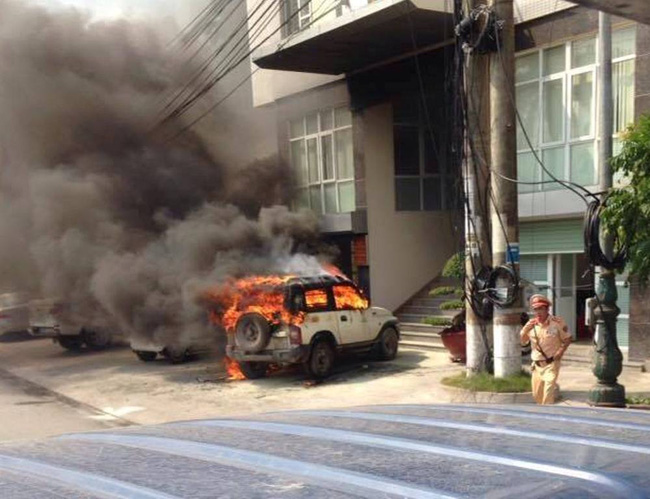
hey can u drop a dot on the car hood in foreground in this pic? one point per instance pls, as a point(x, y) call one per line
point(380, 451)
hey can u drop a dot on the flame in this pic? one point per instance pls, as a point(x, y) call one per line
point(346, 297)
point(233, 370)
point(316, 298)
point(262, 295)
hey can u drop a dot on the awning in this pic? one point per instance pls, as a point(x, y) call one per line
point(363, 37)
point(637, 10)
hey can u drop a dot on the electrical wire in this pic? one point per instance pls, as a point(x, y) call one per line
point(248, 77)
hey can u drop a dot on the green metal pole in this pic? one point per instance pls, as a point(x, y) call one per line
point(607, 356)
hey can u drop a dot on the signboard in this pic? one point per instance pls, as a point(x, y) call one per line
point(512, 253)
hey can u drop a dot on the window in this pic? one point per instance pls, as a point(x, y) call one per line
point(323, 161)
point(348, 298)
point(556, 99)
point(420, 180)
point(296, 15)
point(316, 300)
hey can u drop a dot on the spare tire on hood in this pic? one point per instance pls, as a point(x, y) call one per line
point(252, 332)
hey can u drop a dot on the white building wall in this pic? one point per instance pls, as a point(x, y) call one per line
point(406, 249)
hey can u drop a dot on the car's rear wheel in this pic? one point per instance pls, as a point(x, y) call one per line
point(252, 333)
point(145, 356)
point(72, 343)
point(253, 370)
point(176, 355)
point(321, 359)
point(388, 344)
point(97, 340)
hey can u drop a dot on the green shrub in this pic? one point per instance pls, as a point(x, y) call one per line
point(437, 321)
point(442, 291)
point(484, 382)
point(455, 266)
point(452, 305)
point(638, 400)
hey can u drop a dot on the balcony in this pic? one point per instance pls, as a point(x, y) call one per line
point(363, 34)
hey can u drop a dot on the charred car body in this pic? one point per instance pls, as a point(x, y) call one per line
point(63, 323)
point(305, 320)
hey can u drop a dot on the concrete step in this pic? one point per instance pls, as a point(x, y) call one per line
point(419, 310)
point(418, 318)
point(427, 302)
point(422, 337)
point(423, 346)
point(416, 327)
point(587, 361)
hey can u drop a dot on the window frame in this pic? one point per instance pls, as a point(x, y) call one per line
point(567, 141)
point(321, 183)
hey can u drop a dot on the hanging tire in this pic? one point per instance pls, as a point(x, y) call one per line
point(321, 359)
point(253, 370)
point(72, 343)
point(388, 344)
point(97, 340)
point(252, 333)
point(145, 356)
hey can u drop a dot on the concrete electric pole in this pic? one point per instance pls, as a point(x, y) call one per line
point(477, 244)
point(504, 213)
point(608, 359)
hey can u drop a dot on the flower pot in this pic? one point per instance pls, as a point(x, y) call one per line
point(455, 342)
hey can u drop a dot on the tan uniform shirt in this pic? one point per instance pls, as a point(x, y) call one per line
point(548, 336)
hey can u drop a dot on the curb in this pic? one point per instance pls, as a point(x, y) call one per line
point(461, 395)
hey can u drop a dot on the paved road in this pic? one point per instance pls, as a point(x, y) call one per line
point(28, 411)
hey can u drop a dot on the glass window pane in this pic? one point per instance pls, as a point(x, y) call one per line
point(406, 111)
point(298, 161)
point(346, 197)
point(343, 117)
point(330, 198)
point(407, 150)
point(453, 192)
point(583, 53)
point(623, 88)
point(326, 120)
point(293, 23)
point(566, 275)
point(527, 67)
point(553, 160)
point(553, 111)
point(432, 194)
point(344, 156)
point(302, 199)
point(312, 161)
point(623, 42)
point(554, 60)
point(583, 169)
point(431, 154)
point(327, 157)
point(315, 199)
point(527, 169)
point(528, 107)
point(582, 94)
point(407, 194)
point(297, 128)
point(312, 123)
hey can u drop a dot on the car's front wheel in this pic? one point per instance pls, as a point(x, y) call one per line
point(97, 340)
point(176, 355)
point(388, 344)
point(253, 370)
point(72, 343)
point(321, 359)
point(145, 356)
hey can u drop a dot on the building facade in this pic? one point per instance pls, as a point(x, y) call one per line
point(362, 96)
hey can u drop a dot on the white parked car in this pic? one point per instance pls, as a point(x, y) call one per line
point(177, 353)
point(14, 312)
point(53, 319)
point(332, 317)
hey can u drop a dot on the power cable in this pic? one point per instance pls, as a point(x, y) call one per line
point(246, 78)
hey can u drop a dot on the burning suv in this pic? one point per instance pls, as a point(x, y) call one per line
point(300, 320)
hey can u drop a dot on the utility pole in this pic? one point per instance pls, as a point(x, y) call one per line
point(477, 245)
point(504, 212)
point(607, 356)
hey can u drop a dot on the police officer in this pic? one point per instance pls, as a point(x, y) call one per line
point(549, 337)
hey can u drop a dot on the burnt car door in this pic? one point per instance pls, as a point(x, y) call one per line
point(349, 307)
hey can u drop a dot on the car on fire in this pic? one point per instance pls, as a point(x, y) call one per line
point(56, 319)
point(304, 320)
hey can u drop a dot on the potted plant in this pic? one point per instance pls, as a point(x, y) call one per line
point(453, 337)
